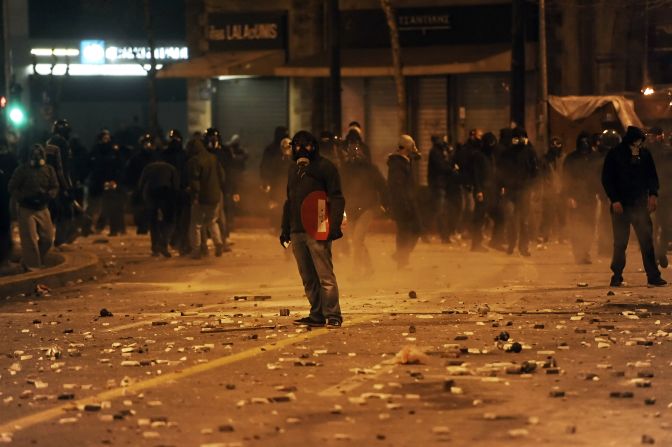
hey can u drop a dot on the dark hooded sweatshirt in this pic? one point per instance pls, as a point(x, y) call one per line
point(205, 175)
point(401, 188)
point(579, 180)
point(320, 175)
point(628, 179)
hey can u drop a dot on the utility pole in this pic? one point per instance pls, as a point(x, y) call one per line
point(334, 38)
point(399, 82)
point(518, 62)
point(151, 73)
point(542, 124)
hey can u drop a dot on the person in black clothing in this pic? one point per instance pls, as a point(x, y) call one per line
point(484, 189)
point(8, 164)
point(106, 193)
point(609, 139)
point(365, 192)
point(553, 216)
point(402, 190)
point(630, 180)
point(354, 137)
point(580, 191)
point(145, 153)
point(159, 184)
point(313, 257)
point(330, 147)
point(237, 159)
point(176, 156)
point(273, 173)
point(62, 208)
point(272, 159)
point(517, 169)
point(440, 172)
point(212, 140)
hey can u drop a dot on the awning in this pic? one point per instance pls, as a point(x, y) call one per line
point(580, 107)
point(232, 63)
point(436, 60)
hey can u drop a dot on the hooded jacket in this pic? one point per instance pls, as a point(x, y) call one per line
point(401, 188)
point(205, 175)
point(440, 167)
point(517, 168)
point(483, 165)
point(320, 175)
point(579, 180)
point(627, 178)
point(364, 188)
point(34, 187)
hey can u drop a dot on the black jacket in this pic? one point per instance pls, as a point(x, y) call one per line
point(402, 189)
point(483, 170)
point(439, 167)
point(157, 179)
point(364, 188)
point(205, 175)
point(517, 168)
point(320, 175)
point(175, 155)
point(107, 165)
point(135, 166)
point(627, 179)
point(579, 180)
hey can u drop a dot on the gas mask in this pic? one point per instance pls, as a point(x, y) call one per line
point(635, 147)
point(304, 148)
point(38, 157)
point(519, 141)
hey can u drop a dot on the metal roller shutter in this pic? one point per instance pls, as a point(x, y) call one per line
point(251, 108)
point(432, 117)
point(486, 100)
point(382, 130)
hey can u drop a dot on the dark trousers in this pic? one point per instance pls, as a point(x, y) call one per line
point(316, 268)
point(442, 213)
point(455, 205)
point(161, 219)
point(582, 234)
point(140, 213)
point(408, 231)
point(553, 216)
point(638, 217)
point(180, 237)
point(663, 227)
point(477, 222)
point(605, 235)
point(496, 210)
point(518, 220)
point(112, 211)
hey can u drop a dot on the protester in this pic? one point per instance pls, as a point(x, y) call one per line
point(34, 185)
point(630, 180)
point(314, 173)
point(159, 184)
point(402, 190)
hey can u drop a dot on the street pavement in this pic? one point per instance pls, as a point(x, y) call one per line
point(195, 353)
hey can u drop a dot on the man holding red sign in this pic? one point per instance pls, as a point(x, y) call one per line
point(311, 220)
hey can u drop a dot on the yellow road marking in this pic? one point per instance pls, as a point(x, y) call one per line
point(46, 415)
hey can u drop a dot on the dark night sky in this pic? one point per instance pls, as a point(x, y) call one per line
point(105, 19)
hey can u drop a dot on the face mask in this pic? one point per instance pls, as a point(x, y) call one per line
point(301, 151)
point(522, 141)
point(38, 162)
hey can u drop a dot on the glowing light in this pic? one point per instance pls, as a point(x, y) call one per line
point(648, 91)
point(17, 116)
point(92, 70)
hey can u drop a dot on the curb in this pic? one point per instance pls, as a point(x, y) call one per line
point(75, 265)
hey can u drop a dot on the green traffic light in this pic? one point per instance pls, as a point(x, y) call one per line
point(16, 116)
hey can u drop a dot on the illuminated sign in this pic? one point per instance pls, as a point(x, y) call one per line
point(92, 51)
point(247, 31)
point(97, 52)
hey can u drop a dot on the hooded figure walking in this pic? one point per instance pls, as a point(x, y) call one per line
point(630, 180)
point(304, 226)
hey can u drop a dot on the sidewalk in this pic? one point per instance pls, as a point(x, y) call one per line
point(71, 265)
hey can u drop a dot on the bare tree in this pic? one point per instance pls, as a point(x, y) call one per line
point(396, 63)
point(151, 73)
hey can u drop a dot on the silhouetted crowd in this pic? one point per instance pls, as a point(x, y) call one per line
point(498, 192)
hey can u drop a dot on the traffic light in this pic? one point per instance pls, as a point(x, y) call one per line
point(17, 116)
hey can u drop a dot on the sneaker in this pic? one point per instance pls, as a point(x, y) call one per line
point(657, 282)
point(308, 321)
point(166, 253)
point(525, 253)
point(222, 248)
point(616, 281)
point(333, 323)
